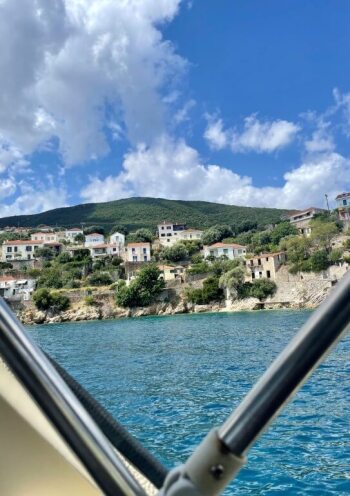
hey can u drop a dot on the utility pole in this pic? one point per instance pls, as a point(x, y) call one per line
point(329, 212)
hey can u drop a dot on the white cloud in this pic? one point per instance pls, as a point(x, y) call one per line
point(215, 135)
point(67, 61)
point(33, 200)
point(172, 169)
point(256, 136)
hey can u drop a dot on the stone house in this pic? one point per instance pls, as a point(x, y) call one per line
point(170, 273)
point(301, 220)
point(265, 265)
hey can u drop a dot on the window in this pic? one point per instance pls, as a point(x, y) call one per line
point(169, 234)
point(133, 250)
point(29, 248)
point(168, 227)
point(259, 261)
point(344, 202)
point(168, 240)
point(268, 274)
point(134, 258)
point(144, 250)
point(163, 235)
point(253, 275)
point(9, 249)
point(267, 259)
point(225, 251)
point(8, 257)
point(15, 249)
point(145, 258)
point(162, 228)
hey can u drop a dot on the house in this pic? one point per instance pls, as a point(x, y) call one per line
point(189, 235)
point(168, 232)
point(117, 239)
point(105, 249)
point(71, 234)
point(343, 207)
point(94, 239)
point(139, 252)
point(170, 273)
point(229, 250)
point(45, 237)
point(19, 249)
point(265, 265)
point(301, 220)
point(14, 288)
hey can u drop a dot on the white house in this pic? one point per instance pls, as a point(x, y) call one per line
point(71, 234)
point(117, 239)
point(94, 239)
point(19, 249)
point(169, 232)
point(102, 250)
point(190, 235)
point(229, 250)
point(139, 252)
point(45, 237)
point(15, 288)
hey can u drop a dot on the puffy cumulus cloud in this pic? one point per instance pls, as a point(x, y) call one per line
point(256, 136)
point(69, 64)
point(172, 169)
point(31, 199)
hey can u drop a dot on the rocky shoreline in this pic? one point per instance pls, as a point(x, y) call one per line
point(77, 313)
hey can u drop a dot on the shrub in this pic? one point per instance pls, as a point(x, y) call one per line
point(143, 290)
point(63, 258)
point(319, 261)
point(209, 293)
point(174, 253)
point(42, 299)
point(262, 288)
point(46, 300)
point(90, 301)
point(99, 279)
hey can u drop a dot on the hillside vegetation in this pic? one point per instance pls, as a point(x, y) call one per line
point(134, 213)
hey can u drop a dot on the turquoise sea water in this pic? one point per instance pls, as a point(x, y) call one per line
point(170, 379)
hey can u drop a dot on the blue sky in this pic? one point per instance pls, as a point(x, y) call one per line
point(240, 102)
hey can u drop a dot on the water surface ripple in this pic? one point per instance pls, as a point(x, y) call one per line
point(170, 379)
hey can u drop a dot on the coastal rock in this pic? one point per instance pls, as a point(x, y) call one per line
point(242, 305)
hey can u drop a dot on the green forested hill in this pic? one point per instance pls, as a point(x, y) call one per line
point(134, 213)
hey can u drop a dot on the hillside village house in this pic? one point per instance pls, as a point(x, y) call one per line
point(117, 239)
point(168, 232)
point(229, 250)
point(343, 207)
point(138, 252)
point(98, 251)
point(94, 239)
point(170, 273)
point(265, 265)
point(301, 220)
point(15, 288)
point(190, 235)
point(71, 234)
point(45, 237)
point(19, 249)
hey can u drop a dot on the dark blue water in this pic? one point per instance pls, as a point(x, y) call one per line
point(170, 379)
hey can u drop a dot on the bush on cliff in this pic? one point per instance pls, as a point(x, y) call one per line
point(211, 292)
point(262, 288)
point(143, 291)
point(47, 300)
point(99, 279)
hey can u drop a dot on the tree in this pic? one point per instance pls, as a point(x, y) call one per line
point(297, 248)
point(79, 238)
point(281, 231)
point(46, 300)
point(63, 258)
point(210, 292)
point(232, 280)
point(120, 229)
point(143, 290)
point(215, 234)
point(322, 234)
point(45, 253)
point(141, 236)
point(262, 288)
point(319, 261)
point(174, 253)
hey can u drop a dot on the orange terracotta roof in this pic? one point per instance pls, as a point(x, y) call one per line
point(267, 255)
point(7, 278)
point(226, 245)
point(139, 244)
